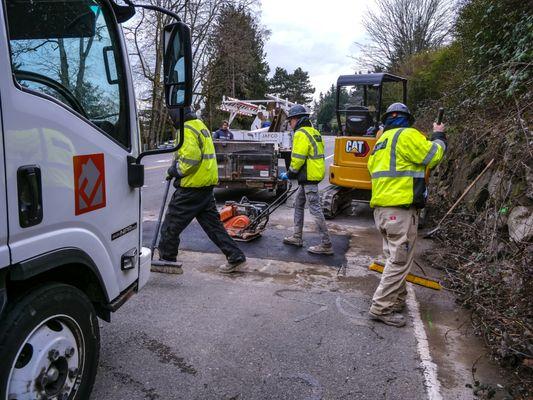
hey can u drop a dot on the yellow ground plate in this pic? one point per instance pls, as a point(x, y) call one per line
point(418, 280)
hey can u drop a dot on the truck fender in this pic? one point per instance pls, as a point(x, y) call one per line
point(50, 262)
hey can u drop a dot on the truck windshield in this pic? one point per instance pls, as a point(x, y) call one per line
point(67, 49)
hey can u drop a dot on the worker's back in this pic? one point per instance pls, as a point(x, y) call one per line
point(196, 158)
point(397, 167)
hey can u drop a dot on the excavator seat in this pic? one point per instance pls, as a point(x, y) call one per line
point(358, 120)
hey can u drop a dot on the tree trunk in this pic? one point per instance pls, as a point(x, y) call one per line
point(63, 73)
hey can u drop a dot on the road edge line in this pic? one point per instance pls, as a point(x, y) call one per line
point(431, 381)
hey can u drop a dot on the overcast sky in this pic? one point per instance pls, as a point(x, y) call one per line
point(315, 35)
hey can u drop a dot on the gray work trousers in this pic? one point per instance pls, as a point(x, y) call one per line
point(309, 193)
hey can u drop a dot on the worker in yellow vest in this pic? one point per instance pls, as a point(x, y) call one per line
point(195, 174)
point(308, 166)
point(397, 167)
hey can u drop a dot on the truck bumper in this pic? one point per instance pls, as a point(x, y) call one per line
point(247, 184)
point(144, 268)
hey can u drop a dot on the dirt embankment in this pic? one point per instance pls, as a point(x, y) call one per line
point(485, 246)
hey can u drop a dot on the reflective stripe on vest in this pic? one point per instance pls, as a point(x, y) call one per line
point(392, 172)
point(311, 153)
point(398, 177)
point(189, 161)
point(431, 154)
point(200, 142)
point(313, 142)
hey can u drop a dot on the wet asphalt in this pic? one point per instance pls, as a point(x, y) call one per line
point(253, 336)
point(285, 328)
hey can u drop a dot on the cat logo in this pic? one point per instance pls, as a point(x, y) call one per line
point(358, 148)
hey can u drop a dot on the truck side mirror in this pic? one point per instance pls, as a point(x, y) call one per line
point(177, 65)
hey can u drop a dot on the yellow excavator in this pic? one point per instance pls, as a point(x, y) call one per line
point(360, 100)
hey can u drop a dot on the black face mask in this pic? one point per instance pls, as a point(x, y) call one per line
point(304, 121)
point(175, 116)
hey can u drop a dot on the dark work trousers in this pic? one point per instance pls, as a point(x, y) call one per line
point(185, 205)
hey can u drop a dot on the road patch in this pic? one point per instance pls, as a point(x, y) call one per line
point(268, 246)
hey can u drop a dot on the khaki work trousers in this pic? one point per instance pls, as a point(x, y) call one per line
point(398, 227)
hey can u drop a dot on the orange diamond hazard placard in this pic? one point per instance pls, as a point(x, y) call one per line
point(89, 182)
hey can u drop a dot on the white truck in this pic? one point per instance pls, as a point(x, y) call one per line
point(70, 185)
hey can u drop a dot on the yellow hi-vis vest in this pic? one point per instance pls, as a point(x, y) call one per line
point(307, 158)
point(397, 167)
point(196, 159)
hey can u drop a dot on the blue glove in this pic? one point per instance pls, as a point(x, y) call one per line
point(283, 176)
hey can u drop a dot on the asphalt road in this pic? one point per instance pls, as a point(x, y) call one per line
point(284, 328)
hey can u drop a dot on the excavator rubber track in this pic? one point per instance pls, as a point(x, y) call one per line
point(335, 199)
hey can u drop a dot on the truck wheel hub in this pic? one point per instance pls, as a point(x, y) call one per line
point(48, 364)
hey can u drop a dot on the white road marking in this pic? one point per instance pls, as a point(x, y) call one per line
point(328, 157)
point(428, 366)
point(165, 161)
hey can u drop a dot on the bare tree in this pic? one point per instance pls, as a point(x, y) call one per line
point(146, 47)
point(401, 28)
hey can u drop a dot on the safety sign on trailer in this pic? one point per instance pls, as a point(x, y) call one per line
point(89, 182)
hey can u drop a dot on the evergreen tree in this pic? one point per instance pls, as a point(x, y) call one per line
point(325, 108)
point(237, 66)
point(279, 84)
point(296, 86)
point(301, 90)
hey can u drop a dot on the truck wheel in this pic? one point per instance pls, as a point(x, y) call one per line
point(49, 344)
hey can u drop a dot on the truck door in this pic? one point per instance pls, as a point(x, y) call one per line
point(4, 251)
point(69, 126)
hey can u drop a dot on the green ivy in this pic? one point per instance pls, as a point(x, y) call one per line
point(496, 38)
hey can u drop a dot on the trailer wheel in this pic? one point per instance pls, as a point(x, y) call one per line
point(281, 188)
point(49, 344)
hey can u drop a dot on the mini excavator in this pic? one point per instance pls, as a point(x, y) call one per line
point(359, 121)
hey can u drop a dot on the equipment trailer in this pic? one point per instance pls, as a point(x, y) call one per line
point(248, 165)
point(251, 161)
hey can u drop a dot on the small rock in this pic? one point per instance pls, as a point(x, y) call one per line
point(520, 224)
point(495, 183)
point(529, 183)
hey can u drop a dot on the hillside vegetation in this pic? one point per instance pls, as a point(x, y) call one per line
point(484, 78)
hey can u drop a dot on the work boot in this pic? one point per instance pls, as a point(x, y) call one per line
point(392, 319)
point(326, 249)
point(398, 307)
point(294, 240)
point(230, 267)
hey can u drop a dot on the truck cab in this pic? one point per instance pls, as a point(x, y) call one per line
point(70, 192)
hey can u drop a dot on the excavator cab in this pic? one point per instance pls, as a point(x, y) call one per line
point(360, 101)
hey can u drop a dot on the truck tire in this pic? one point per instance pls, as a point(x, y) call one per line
point(49, 345)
